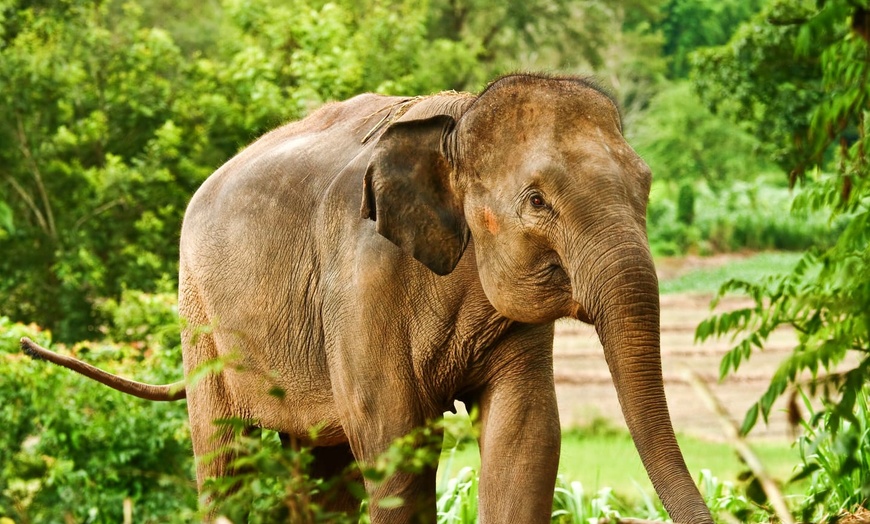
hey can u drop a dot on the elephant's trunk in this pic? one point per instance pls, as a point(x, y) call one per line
point(624, 306)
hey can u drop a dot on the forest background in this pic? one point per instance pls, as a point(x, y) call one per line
point(751, 114)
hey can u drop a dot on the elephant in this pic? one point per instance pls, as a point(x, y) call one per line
point(386, 256)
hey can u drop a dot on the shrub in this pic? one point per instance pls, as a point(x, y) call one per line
point(746, 216)
point(835, 459)
point(73, 450)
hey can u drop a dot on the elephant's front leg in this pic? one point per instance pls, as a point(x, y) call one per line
point(520, 440)
point(378, 405)
point(408, 494)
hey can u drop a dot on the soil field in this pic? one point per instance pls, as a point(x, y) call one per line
point(585, 390)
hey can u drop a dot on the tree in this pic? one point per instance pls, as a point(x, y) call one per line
point(109, 128)
point(85, 142)
point(684, 143)
point(826, 298)
point(114, 112)
point(688, 25)
point(745, 80)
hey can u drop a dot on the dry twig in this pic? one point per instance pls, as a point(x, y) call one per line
point(774, 494)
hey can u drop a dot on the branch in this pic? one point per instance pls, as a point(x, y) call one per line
point(29, 201)
point(96, 211)
point(23, 144)
point(774, 494)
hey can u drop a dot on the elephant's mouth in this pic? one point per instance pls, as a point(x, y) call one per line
point(551, 271)
point(543, 294)
point(578, 312)
point(556, 274)
point(558, 279)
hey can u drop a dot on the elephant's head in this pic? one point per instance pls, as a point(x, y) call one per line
point(538, 172)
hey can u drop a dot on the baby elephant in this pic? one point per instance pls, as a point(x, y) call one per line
point(386, 256)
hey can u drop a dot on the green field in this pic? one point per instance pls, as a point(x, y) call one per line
point(600, 456)
point(752, 269)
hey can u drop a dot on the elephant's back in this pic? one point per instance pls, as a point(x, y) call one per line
point(294, 159)
point(263, 230)
point(248, 244)
point(264, 198)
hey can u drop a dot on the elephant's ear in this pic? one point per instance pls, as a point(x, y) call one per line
point(407, 191)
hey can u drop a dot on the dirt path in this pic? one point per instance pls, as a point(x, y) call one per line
point(585, 390)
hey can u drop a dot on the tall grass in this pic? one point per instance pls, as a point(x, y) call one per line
point(836, 463)
point(572, 505)
point(457, 499)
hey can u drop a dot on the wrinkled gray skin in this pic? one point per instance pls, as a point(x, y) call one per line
point(521, 206)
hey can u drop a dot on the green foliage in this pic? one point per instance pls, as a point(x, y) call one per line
point(744, 216)
point(826, 297)
point(96, 173)
point(724, 497)
point(707, 176)
point(691, 24)
point(836, 459)
point(111, 128)
point(557, 34)
point(140, 317)
point(572, 505)
point(272, 482)
point(683, 142)
point(686, 204)
point(457, 500)
point(71, 450)
point(745, 80)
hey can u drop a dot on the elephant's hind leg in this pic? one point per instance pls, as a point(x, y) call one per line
point(334, 465)
point(208, 400)
point(214, 431)
point(337, 463)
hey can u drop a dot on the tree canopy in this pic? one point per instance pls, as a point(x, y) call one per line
point(817, 128)
point(116, 111)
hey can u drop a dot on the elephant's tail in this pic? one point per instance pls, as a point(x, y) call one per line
point(165, 392)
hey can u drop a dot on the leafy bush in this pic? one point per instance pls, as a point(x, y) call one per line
point(746, 216)
point(71, 449)
point(457, 500)
point(684, 142)
point(272, 482)
point(144, 319)
point(836, 459)
point(825, 299)
point(112, 126)
point(754, 216)
point(572, 505)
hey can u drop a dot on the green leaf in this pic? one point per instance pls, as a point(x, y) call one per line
point(755, 492)
point(805, 472)
point(749, 419)
point(391, 502)
point(6, 218)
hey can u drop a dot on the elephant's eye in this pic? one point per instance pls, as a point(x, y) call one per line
point(537, 200)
